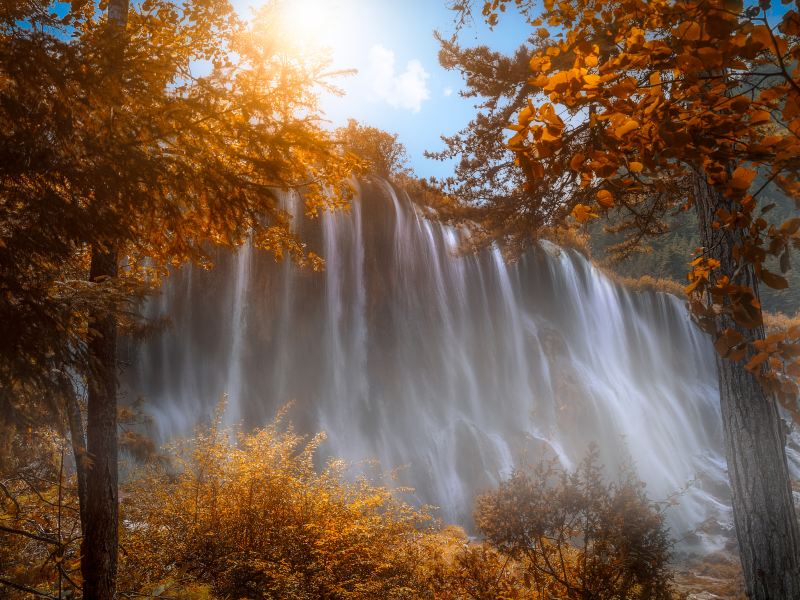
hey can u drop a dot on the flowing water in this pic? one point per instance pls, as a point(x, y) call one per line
point(451, 370)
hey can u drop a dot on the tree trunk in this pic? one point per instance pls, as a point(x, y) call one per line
point(99, 546)
point(78, 440)
point(755, 438)
point(100, 534)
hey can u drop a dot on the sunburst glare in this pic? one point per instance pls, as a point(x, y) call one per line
point(314, 25)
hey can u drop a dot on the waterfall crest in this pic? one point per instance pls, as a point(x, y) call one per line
point(453, 369)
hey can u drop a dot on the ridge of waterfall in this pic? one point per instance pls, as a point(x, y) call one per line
point(450, 370)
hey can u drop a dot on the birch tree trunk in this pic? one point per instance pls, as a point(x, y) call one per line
point(78, 440)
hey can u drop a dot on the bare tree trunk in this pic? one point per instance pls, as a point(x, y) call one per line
point(755, 439)
point(100, 534)
point(78, 439)
point(99, 547)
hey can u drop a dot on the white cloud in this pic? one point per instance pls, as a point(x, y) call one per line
point(401, 90)
point(448, 91)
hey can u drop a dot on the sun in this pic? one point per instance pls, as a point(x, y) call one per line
point(313, 24)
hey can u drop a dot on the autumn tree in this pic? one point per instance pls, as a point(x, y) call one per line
point(120, 160)
point(40, 529)
point(228, 514)
point(383, 154)
point(635, 110)
point(485, 168)
point(577, 535)
point(450, 566)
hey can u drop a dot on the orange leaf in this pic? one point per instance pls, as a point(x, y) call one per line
point(742, 178)
point(727, 341)
point(760, 116)
point(774, 281)
point(790, 226)
point(740, 104)
point(626, 127)
point(583, 213)
point(576, 161)
point(756, 361)
point(605, 199)
point(761, 36)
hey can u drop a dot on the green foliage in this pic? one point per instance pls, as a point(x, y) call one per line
point(665, 255)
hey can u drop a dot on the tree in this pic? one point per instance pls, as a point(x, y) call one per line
point(101, 501)
point(40, 528)
point(486, 169)
point(635, 110)
point(382, 153)
point(118, 161)
point(578, 536)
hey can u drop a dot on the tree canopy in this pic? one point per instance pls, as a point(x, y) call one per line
point(212, 117)
point(623, 103)
point(578, 535)
point(134, 138)
point(383, 154)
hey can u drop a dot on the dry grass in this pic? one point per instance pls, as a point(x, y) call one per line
point(714, 576)
point(646, 283)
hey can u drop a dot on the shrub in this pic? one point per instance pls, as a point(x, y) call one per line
point(251, 517)
point(578, 536)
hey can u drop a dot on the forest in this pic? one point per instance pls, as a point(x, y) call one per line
point(256, 343)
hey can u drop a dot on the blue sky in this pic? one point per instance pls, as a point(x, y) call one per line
point(400, 86)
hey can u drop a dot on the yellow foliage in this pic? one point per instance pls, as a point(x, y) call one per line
point(252, 517)
point(223, 516)
point(161, 165)
point(40, 533)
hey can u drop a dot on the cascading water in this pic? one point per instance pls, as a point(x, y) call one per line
point(453, 369)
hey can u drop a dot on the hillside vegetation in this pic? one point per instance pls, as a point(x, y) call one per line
point(666, 256)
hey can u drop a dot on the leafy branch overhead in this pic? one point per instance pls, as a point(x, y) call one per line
point(630, 100)
point(164, 165)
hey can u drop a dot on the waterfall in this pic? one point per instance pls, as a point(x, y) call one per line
point(450, 369)
point(238, 331)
